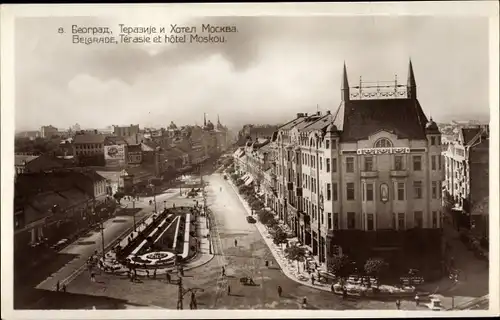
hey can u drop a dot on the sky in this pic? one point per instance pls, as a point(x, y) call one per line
point(271, 69)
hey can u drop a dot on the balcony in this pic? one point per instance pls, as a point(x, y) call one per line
point(399, 173)
point(369, 174)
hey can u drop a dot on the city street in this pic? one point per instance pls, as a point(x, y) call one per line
point(70, 261)
point(247, 259)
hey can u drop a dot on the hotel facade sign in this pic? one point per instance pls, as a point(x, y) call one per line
point(374, 151)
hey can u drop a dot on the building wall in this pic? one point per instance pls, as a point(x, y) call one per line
point(48, 131)
point(89, 149)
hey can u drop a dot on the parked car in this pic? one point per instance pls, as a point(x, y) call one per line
point(250, 219)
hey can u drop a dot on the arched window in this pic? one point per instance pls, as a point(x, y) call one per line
point(383, 143)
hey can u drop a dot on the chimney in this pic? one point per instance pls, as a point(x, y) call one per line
point(328, 112)
point(95, 131)
point(318, 113)
point(305, 114)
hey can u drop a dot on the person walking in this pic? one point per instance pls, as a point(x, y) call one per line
point(235, 242)
point(398, 304)
point(228, 290)
point(280, 291)
point(223, 271)
point(169, 279)
point(57, 285)
point(64, 288)
point(312, 279)
point(154, 273)
point(92, 276)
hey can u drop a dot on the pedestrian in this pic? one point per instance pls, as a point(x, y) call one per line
point(280, 291)
point(417, 300)
point(228, 290)
point(64, 288)
point(223, 271)
point(92, 277)
point(235, 242)
point(57, 285)
point(398, 304)
point(344, 293)
point(169, 279)
point(304, 301)
point(182, 271)
point(312, 279)
point(130, 275)
point(154, 274)
point(332, 288)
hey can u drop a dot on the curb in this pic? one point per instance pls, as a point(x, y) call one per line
point(291, 277)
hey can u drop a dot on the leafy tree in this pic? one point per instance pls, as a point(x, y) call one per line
point(375, 267)
point(340, 266)
point(272, 223)
point(295, 253)
point(265, 216)
point(279, 237)
point(118, 196)
point(239, 182)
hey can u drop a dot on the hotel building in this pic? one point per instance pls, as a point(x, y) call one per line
point(364, 180)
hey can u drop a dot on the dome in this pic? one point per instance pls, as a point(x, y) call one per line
point(331, 128)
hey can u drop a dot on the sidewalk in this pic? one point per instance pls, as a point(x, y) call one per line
point(298, 273)
point(113, 231)
point(288, 268)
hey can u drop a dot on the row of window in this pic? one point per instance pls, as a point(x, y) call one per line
point(331, 164)
point(368, 191)
point(398, 220)
point(88, 146)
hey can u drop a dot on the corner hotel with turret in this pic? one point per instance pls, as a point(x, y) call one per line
point(365, 179)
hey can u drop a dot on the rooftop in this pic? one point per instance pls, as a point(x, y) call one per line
point(359, 119)
point(20, 160)
point(89, 138)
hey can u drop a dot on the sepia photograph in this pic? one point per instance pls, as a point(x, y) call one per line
point(157, 158)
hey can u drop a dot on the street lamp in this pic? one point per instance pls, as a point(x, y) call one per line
point(133, 212)
point(153, 189)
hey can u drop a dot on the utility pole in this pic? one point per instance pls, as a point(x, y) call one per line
point(180, 296)
point(102, 237)
point(133, 213)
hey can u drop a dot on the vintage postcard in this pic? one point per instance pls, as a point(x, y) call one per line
point(263, 160)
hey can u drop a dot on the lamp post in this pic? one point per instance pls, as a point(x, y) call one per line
point(152, 186)
point(133, 213)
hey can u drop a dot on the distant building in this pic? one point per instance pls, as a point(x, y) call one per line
point(32, 135)
point(49, 131)
point(253, 132)
point(466, 187)
point(129, 131)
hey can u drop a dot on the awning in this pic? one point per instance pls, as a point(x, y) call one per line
point(245, 177)
point(249, 181)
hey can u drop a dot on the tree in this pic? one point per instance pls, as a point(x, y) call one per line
point(279, 237)
point(340, 266)
point(295, 253)
point(118, 196)
point(375, 267)
point(265, 216)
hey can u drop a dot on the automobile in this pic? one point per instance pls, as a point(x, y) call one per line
point(435, 304)
point(251, 219)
